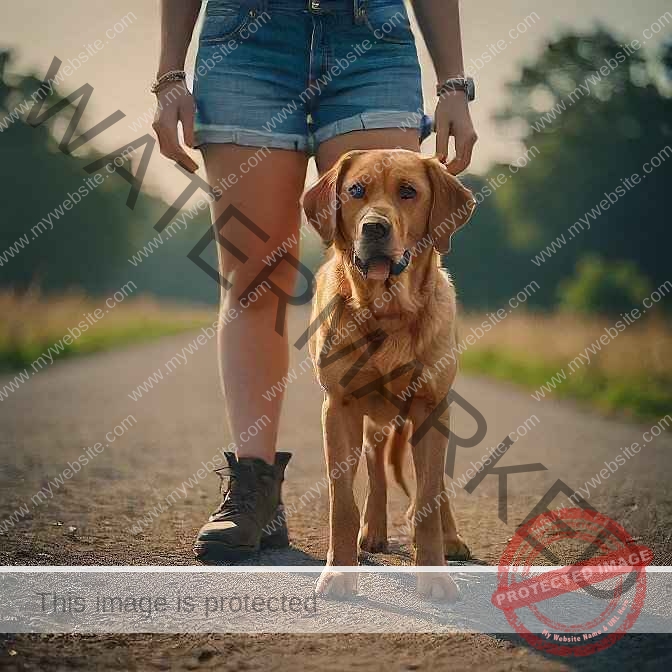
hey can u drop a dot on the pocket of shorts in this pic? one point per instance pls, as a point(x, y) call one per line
point(224, 19)
point(388, 21)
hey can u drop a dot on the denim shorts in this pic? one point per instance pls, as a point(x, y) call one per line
point(290, 74)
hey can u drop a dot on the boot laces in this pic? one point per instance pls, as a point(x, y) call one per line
point(239, 494)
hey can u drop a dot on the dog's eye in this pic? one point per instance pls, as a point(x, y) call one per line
point(407, 191)
point(357, 190)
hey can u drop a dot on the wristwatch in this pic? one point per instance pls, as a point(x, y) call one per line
point(465, 84)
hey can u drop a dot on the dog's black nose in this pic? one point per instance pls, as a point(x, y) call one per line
point(377, 229)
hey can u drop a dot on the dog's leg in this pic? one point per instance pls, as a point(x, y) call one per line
point(428, 457)
point(454, 547)
point(342, 425)
point(373, 531)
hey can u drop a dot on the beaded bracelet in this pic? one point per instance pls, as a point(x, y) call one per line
point(170, 76)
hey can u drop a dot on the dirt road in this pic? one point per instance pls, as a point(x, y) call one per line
point(101, 516)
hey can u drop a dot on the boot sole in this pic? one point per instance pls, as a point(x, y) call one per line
point(213, 552)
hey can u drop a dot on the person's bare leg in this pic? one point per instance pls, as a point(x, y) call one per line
point(252, 355)
point(384, 138)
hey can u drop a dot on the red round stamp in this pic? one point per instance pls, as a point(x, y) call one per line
point(590, 596)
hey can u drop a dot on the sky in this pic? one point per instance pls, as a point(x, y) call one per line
point(122, 70)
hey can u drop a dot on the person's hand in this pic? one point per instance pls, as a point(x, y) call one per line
point(452, 118)
point(175, 104)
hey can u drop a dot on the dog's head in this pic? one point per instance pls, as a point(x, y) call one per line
point(386, 207)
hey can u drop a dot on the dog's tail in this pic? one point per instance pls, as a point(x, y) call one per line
point(396, 453)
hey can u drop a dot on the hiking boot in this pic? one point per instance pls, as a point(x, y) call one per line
point(251, 514)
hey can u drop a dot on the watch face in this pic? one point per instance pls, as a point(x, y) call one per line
point(458, 84)
point(471, 89)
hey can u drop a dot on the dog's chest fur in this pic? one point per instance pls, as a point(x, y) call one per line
point(417, 344)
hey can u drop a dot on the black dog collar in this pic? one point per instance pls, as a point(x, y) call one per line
point(400, 266)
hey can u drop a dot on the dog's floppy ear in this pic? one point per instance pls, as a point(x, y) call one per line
point(452, 206)
point(321, 202)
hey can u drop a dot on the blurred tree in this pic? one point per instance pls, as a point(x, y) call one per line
point(60, 247)
point(666, 58)
point(479, 252)
point(593, 129)
point(603, 287)
point(88, 245)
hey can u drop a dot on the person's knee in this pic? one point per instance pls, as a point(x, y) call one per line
point(255, 289)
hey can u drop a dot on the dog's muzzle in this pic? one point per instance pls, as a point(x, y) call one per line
point(383, 265)
point(372, 254)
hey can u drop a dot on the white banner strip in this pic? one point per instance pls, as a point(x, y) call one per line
point(549, 600)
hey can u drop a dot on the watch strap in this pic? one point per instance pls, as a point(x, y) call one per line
point(453, 84)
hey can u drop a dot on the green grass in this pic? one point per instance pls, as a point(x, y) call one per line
point(29, 326)
point(19, 355)
point(638, 397)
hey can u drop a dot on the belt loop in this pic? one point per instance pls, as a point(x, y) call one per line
point(359, 9)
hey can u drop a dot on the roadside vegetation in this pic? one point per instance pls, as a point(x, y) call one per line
point(32, 324)
point(561, 356)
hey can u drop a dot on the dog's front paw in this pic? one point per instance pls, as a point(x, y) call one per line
point(337, 585)
point(437, 586)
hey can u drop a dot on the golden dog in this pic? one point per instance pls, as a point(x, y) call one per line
point(387, 314)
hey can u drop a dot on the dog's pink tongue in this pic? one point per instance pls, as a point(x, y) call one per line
point(378, 270)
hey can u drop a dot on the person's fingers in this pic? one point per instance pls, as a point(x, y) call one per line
point(187, 118)
point(186, 161)
point(166, 132)
point(464, 146)
point(442, 140)
point(169, 145)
